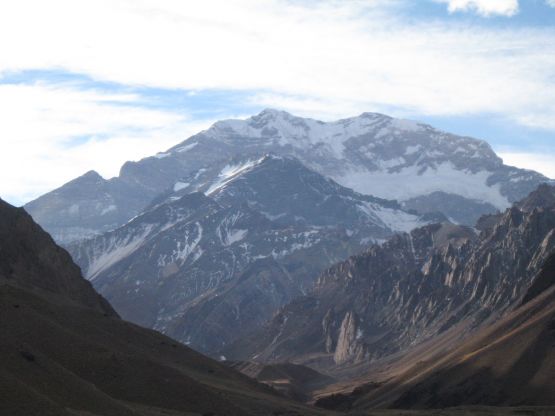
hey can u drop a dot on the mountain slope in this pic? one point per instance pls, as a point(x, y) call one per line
point(209, 269)
point(509, 363)
point(411, 289)
point(88, 205)
point(285, 191)
point(64, 352)
point(426, 169)
point(30, 259)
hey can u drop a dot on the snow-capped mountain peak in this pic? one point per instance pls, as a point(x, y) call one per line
point(424, 168)
point(375, 141)
point(284, 129)
point(387, 157)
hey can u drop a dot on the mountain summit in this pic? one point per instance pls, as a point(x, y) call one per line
point(386, 157)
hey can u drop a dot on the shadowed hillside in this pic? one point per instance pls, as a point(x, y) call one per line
point(65, 352)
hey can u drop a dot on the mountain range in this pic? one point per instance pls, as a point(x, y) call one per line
point(65, 351)
point(414, 287)
point(206, 268)
point(362, 263)
point(423, 168)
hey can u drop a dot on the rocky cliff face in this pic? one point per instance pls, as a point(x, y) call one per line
point(424, 168)
point(544, 280)
point(348, 346)
point(412, 288)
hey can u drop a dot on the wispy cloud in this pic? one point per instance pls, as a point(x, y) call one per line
point(318, 58)
point(540, 162)
point(52, 133)
point(346, 52)
point(484, 7)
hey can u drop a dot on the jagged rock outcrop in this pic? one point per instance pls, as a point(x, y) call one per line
point(544, 280)
point(411, 289)
point(508, 363)
point(347, 347)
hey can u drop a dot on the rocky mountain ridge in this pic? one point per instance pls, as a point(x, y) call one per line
point(410, 289)
point(424, 168)
point(508, 363)
point(207, 269)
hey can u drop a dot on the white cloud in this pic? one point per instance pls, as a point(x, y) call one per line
point(540, 162)
point(550, 3)
point(42, 123)
point(339, 52)
point(483, 7)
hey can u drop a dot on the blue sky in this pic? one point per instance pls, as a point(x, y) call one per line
point(90, 84)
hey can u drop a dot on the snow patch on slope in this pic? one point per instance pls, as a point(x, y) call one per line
point(180, 185)
point(227, 232)
point(187, 246)
point(116, 250)
point(405, 125)
point(234, 236)
point(186, 147)
point(109, 208)
point(398, 221)
point(228, 173)
point(393, 219)
point(305, 240)
point(409, 182)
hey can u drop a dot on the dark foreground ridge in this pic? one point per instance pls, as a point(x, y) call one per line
point(64, 351)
